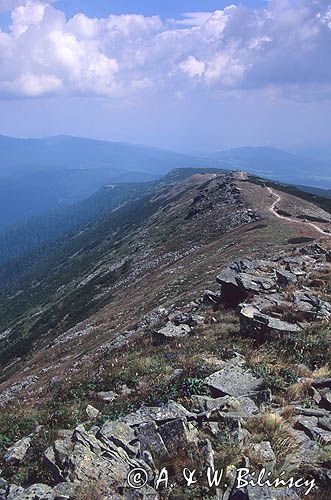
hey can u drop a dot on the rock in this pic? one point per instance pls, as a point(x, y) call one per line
point(242, 404)
point(310, 412)
point(178, 318)
point(322, 383)
point(119, 434)
point(310, 426)
point(3, 487)
point(263, 493)
point(285, 278)
point(12, 391)
point(325, 423)
point(308, 451)
point(171, 332)
point(234, 381)
point(325, 401)
point(170, 411)
point(251, 283)
point(205, 403)
point(91, 459)
point(16, 453)
point(14, 491)
point(261, 326)
point(107, 397)
point(65, 491)
point(176, 436)
point(262, 453)
point(151, 440)
point(92, 412)
point(231, 294)
point(315, 395)
point(35, 492)
point(212, 298)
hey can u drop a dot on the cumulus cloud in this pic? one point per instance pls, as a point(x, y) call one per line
point(285, 44)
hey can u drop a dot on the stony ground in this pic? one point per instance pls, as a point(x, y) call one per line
point(245, 409)
point(226, 362)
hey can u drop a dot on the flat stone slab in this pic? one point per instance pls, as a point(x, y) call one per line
point(233, 380)
point(170, 411)
point(171, 332)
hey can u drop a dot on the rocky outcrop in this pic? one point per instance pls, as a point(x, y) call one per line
point(16, 453)
point(273, 299)
point(260, 289)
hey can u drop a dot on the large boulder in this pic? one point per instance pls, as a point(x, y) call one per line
point(231, 293)
point(261, 326)
point(233, 380)
point(171, 332)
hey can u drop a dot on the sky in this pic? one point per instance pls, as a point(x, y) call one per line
point(188, 75)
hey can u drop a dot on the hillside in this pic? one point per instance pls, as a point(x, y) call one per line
point(43, 174)
point(276, 164)
point(189, 325)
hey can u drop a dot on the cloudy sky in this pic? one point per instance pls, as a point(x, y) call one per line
point(191, 75)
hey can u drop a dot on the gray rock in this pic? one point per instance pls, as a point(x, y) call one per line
point(285, 278)
point(262, 453)
point(261, 326)
point(118, 434)
point(309, 425)
point(171, 332)
point(65, 491)
point(107, 396)
point(325, 401)
point(170, 411)
point(212, 298)
point(233, 380)
point(231, 293)
point(151, 440)
point(310, 412)
point(16, 453)
point(3, 487)
point(243, 405)
point(255, 283)
point(205, 403)
point(92, 412)
point(325, 423)
point(14, 491)
point(176, 435)
point(36, 492)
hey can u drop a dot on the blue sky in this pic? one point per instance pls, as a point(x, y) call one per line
point(185, 75)
point(165, 8)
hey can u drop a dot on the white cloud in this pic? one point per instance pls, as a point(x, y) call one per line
point(194, 18)
point(193, 67)
point(286, 44)
point(29, 85)
point(24, 16)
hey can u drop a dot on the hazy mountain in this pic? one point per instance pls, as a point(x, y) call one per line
point(326, 193)
point(277, 164)
point(37, 175)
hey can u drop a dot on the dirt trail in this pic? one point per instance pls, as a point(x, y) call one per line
point(274, 212)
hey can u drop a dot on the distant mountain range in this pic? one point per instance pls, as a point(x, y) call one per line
point(37, 175)
point(277, 164)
